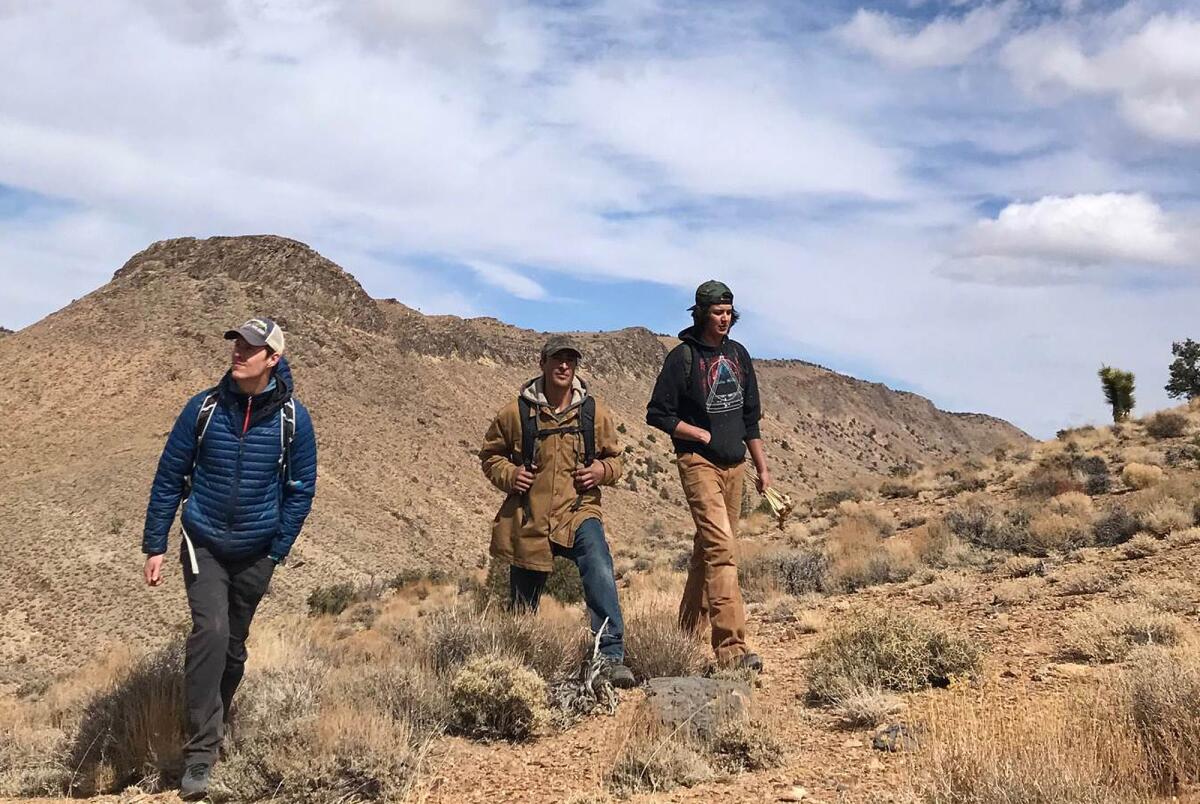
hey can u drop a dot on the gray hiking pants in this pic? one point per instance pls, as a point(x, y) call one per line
point(223, 598)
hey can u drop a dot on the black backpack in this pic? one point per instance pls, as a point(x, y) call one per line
point(585, 425)
point(287, 434)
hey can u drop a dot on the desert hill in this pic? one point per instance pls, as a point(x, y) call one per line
point(399, 400)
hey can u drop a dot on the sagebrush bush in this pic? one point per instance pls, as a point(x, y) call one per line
point(1140, 546)
point(1083, 581)
point(866, 707)
point(741, 745)
point(495, 696)
point(331, 599)
point(890, 650)
point(1108, 633)
point(656, 760)
point(793, 572)
point(981, 522)
point(860, 557)
point(1167, 424)
point(1165, 516)
point(655, 645)
point(1116, 527)
point(454, 635)
point(1161, 693)
point(1141, 475)
point(1021, 567)
point(133, 730)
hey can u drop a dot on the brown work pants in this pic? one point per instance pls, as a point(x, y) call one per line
point(714, 493)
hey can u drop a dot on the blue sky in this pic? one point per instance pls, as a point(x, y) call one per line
point(980, 202)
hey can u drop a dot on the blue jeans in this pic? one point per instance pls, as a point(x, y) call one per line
point(590, 555)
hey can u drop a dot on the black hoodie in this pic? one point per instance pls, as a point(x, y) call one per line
point(721, 398)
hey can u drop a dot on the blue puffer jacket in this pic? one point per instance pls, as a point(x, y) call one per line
point(239, 506)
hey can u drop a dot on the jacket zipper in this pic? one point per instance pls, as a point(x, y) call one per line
point(237, 472)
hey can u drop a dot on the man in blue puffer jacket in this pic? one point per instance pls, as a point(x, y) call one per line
point(250, 491)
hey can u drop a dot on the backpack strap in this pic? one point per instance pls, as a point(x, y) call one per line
point(203, 418)
point(287, 434)
point(529, 434)
point(587, 427)
point(688, 357)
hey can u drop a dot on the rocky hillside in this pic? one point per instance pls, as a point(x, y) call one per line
point(399, 400)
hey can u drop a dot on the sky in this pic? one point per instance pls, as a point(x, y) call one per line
point(978, 202)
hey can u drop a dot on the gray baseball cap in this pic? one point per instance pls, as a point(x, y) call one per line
point(560, 343)
point(259, 332)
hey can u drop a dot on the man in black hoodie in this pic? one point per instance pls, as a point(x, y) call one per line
point(706, 399)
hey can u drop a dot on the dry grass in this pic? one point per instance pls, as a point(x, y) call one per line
point(1019, 590)
point(655, 645)
point(1174, 597)
point(866, 706)
point(1107, 633)
point(948, 589)
point(1088, 580)
point(1142, 545)
point(1141, 475)
point(889, 650)
point(1161, 693)
point(1183, 538)
point(1043, 751)
point(1167, 424)
point(1165, 516)
point(1051, 532)
point(654, 759)
point(1021, 567)
point(861, 557)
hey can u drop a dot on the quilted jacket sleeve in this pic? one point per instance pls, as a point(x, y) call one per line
point(298, 493)
point(167, 489)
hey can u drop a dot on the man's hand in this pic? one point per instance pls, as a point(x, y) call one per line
point(523, 480)
point(764, 480)
point(589, 476)
point(153, 570)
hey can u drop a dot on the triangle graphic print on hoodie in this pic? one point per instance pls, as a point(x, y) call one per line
point(722, 383)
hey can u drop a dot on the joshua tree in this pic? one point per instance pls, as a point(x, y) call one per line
point(1185, 370)
point(1118, 390)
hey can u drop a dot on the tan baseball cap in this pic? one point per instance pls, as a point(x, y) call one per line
point(259, 332)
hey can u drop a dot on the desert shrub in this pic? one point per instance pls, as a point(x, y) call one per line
point(741, 745)
point(794, 572)
point(978, 521)
point(655, 645)
point(1108, 633)
point(1083, 581)
point(133, 729)
point(1021, 567)
point(895, 490)
point(1175, 597)
point(860, 557)
point(890, 650)
point(1116, 527)
point(32, 759)
point(949, 589)
point(1018, 590)
point(1161, 693)
point(495, 696)
point(1140, 546)
point(408, 693)
point(1050, 532)
point(1167, 424)
point(1051, 478)
point(1141, 475)
point(866, 706)
point(1166, 516)
point(455, 635)
point(331, 599)
point(869, 516)
point(1097, 479)
point(831, 499)
point(564, 583)
point(654, 760)
point(1183, 538)
point(1044, 751)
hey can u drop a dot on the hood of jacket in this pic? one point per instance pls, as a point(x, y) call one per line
point(534, 392)
point(263, 405)
point(692, 335)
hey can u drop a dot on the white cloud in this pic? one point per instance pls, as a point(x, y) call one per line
point(508, 280)
point(944, 42)
point(717, 127)
point(1153, 72)
point(1112, 227)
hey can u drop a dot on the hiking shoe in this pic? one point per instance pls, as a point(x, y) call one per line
point(194, 785)
point(619, 675)
point(749, 661)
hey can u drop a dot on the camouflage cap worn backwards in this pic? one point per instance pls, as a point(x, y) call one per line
point(560, 343)
point(259, 332)
point(712, 292)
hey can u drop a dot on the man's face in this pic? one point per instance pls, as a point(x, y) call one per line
point(251, 362)
point(718, 319)
point(559, 368)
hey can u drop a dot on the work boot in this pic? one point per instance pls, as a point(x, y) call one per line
point(194, 785)
point(749, 661)
point(619, 675)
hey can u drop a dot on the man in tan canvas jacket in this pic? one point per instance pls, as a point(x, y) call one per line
point(553, 503)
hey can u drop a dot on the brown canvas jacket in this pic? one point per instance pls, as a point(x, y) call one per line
point(526, 542)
